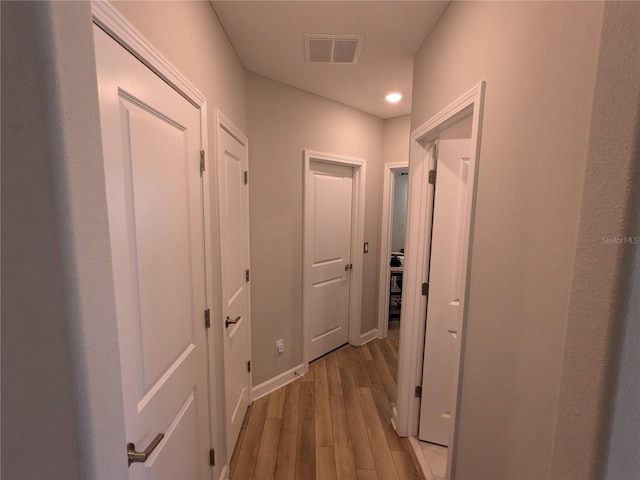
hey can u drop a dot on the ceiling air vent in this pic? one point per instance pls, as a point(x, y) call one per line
point(332, 48)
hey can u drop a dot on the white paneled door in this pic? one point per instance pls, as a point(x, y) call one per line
point(151, 144)
point(328, 224)
point(444, 311)
point(233, 197)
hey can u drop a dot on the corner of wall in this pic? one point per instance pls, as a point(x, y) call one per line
point(58, 326)
point(602, 271)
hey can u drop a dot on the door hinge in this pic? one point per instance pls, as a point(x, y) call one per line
point(202, 168)
point(207, 318)
point(245, 176)
point(432, 177)
point(248, 365)
point(419, 391)
point(425, 289)
point(246, 275)
point(212, 458)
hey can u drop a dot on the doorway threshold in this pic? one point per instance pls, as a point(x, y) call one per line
point(431, 458)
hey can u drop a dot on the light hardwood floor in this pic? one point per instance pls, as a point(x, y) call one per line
point(333, 423)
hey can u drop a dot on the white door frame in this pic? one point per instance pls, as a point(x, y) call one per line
point(107, 17)
point(385, 245)
point(222, 121)
point(357, 242)
point(419, 214)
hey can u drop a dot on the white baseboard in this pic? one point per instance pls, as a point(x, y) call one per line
point(224, 474)
point(394, 419)
point(265, 388)
point(367, 337)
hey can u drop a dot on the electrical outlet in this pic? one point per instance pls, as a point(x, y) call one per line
point(279, 347)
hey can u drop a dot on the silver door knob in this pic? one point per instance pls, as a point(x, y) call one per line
point(228, 321)
point(135, 457)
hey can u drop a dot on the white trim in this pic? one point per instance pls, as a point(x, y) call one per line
point(211, 293)
point(279, 381)
point(357, 240)
point(224, 473)
point(109, 19)
point(234, 131)
point(413, 303)
point(419, 211)
point(223, 122)
point(367, 337)
point(385, 246)
point(450, 113)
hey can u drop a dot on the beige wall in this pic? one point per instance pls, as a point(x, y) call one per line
point(602, 298)
point(282, 122)
point(539, 61)
point(395, 148)
point(397, 132)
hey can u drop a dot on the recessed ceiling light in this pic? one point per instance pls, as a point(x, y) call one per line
point(394, 97)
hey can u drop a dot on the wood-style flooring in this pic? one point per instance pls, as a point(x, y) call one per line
point(332, 423)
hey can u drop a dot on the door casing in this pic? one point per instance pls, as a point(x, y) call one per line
point(385, 245)
point(223, 122)
point(107, 17)
point(357, 242)
point(419, 215)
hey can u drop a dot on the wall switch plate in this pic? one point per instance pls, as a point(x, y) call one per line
point(366, 247)
point(279, 347)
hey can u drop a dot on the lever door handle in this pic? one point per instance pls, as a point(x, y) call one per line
point(348, 267)
point(228, 321)
point(135, 457)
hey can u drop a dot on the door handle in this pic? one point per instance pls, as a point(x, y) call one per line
point(228, 321)
point(348, 267)
point(135, 457)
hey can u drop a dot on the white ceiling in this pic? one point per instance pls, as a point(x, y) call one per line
point(268, 37)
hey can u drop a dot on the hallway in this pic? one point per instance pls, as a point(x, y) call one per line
point(333, 423)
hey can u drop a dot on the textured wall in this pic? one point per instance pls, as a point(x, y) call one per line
point(600, 291)
point(623, 462)
point(61, 398)
point(283, 121)
point(539, 61)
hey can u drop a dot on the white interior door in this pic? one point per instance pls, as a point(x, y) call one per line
point(151, 143)
point(234, 249)
point(444, 312)
point(328, 225)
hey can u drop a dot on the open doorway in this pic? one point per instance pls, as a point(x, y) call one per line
point(392, 242)
point(436, 280)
